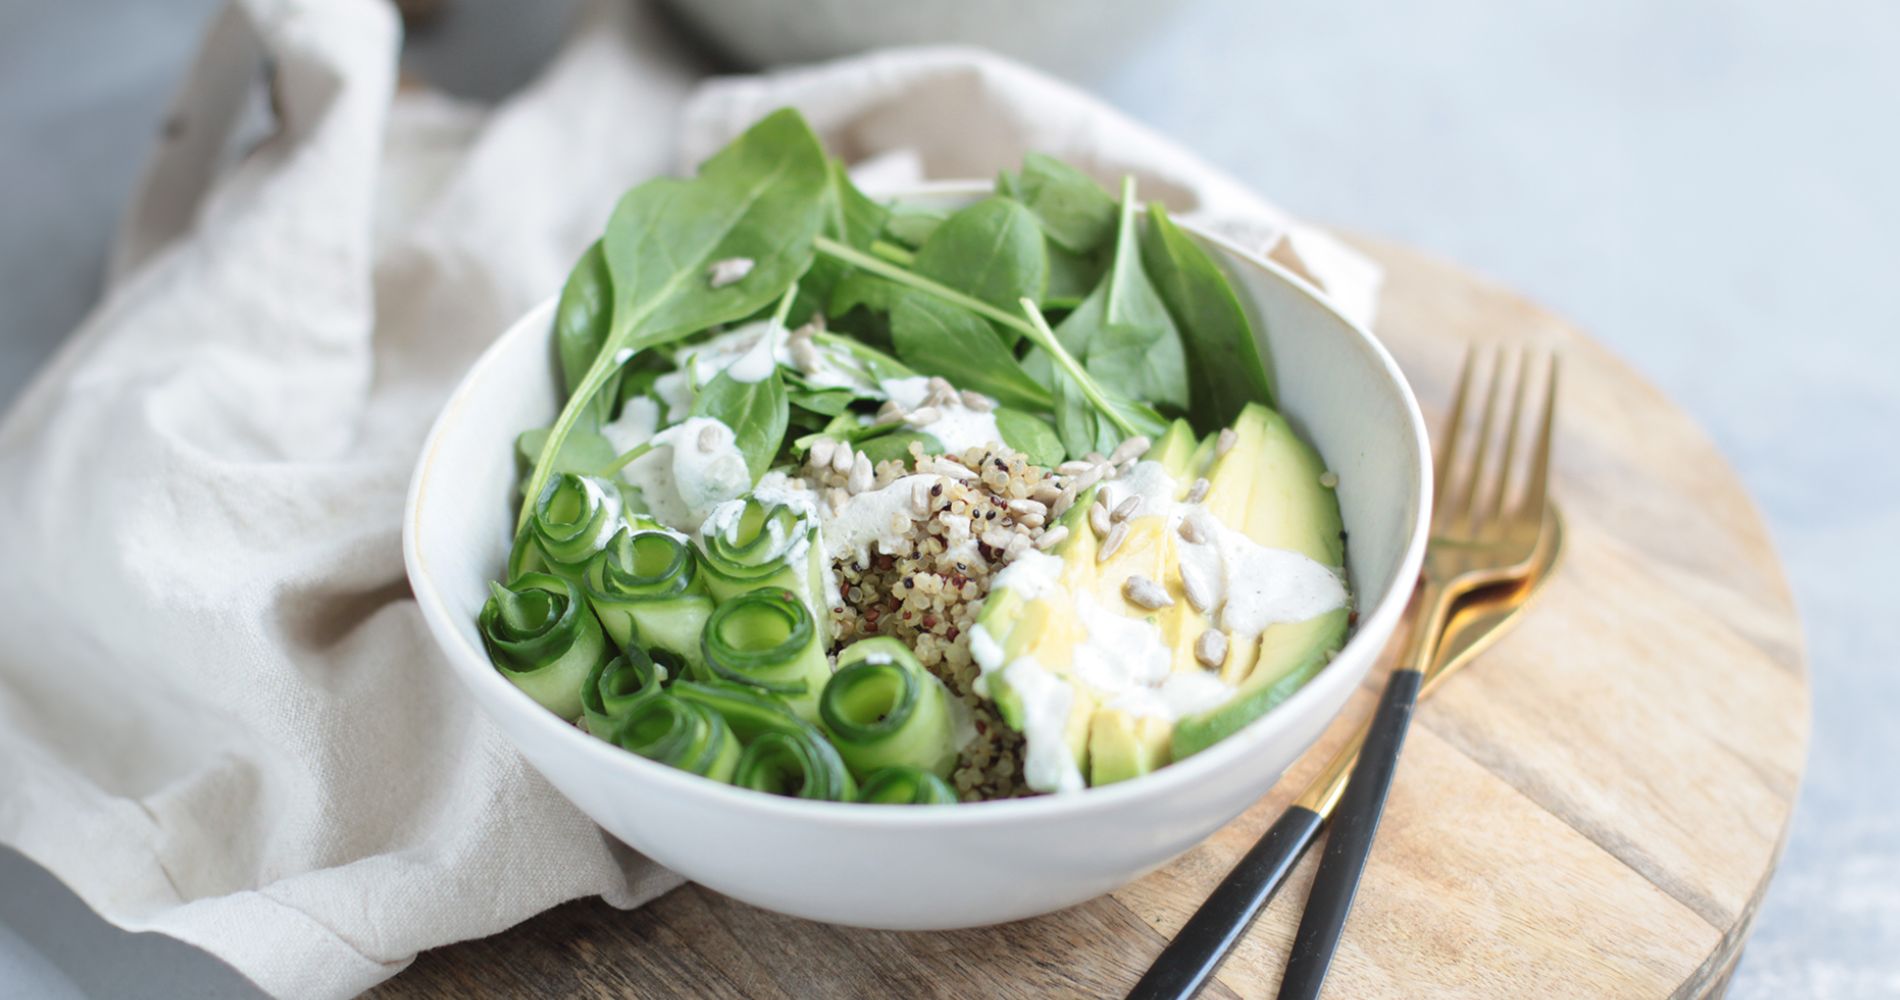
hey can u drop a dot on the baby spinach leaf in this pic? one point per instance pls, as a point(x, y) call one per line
point(1122, 332)
point(991, 251)
point(1226, 368)
point(756, 412)
point(1072, 276)
point(1074, 210)
point(583, 315)
point(761, 198)
point(911, 225)
point(585, 453)
point(1030, 435)
point(895, 446)
point(1086, 413)
point(825, 402)
point(937, 338)
point(851, 218)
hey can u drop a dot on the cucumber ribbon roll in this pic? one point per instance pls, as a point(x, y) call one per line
point(680, 734)
point(883, 709)
point(749, 711)
point(645, 587)
point(541, 636)
point(747, 544)
point(573, 518)
point(615, 686)
point(906, 786)
point(799, 764)
point(766, 639)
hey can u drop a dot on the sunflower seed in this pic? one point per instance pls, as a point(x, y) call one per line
point(1114, 541)
point(721, 273)
point(890, 412)
point(955, 470)
point(1091, 477)
point(1064, 501)
point(1211, 649)
point(1190, 530)
point(941, 391)
point(1074, 467)
point(923, 416)
point(1045, 492)
point(805, 357)
point(1095, 458)
point(821, 452)
point(861, 474)
point(1018, 544)
point(841, 459)
point(1053, 537)
point(1225, 442)
point(1195, 586)
point(977, 401)
point(1125, 510)
point(1037, 508)
point(1198, 492)
point(1098, 520)
point(1131, 448)
point(1145, 593)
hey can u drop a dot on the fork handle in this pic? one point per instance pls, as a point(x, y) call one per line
point(1355, 822)
point(1195, 954)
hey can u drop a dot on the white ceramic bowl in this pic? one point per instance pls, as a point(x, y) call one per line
point(926, 868)
point(1079, 38)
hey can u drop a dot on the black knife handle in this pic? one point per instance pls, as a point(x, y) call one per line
point(1355, 821)
point(1191, 959)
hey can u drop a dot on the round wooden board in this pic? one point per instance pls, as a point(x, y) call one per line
point(1592, 809)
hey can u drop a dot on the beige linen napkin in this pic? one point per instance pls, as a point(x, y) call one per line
point(221, 717)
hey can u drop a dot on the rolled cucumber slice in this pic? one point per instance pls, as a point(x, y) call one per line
point(883, 709)
point(906, 786)
point(573, 517)
point(680, 734)
point(766, 639)
point(801, 764)
point(645, 588)
point(615, 686)
point(750, 712)
point(540, 635)
point(756, 544)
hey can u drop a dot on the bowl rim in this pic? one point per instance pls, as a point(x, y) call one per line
point(474, 668)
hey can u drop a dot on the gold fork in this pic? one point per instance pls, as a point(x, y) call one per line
point(1487, 517)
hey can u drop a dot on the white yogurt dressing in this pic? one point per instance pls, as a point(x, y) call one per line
point(1047, 700)
point(870, 517)
point(636, 423)
point(1030, 575)
point(957, 426)
point(1119, 652)
point(685, 477)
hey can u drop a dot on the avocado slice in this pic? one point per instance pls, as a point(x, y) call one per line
point(1268, 484)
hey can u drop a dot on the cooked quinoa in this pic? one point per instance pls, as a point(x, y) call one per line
point(926, 585)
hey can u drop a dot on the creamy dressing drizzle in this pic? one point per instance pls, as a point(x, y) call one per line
point(681, 481)
point(1048, 764)
point(868, 518)
point(957, 426)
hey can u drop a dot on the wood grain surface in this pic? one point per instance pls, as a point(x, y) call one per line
point(1591, 810)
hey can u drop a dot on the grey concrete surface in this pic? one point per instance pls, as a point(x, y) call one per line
point(1711, 188)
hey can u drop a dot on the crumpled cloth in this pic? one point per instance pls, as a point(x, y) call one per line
point(221, 716)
